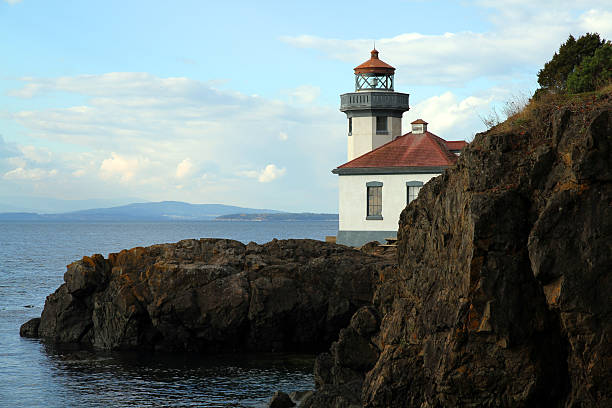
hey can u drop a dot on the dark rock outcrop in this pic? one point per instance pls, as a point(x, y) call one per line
point(30, 328)
point(502, 296)
point(209, 295)
point(281, 400)
point(299, 396)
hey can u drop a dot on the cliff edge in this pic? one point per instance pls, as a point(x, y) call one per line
point(503, 292)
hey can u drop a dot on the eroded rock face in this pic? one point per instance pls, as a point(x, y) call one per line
point(211, 294)
point(502, 295)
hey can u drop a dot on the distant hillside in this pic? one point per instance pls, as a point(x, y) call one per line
point(48, 205)
point(278, 217)
point(20, 216)
point(160, 211)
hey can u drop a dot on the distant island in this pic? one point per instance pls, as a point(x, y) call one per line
point(168, 211)
point(278, 217)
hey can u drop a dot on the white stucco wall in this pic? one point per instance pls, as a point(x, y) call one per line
point(360, 140)
point(364, 139)
point(353, 200)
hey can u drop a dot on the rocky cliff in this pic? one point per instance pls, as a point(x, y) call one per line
point(503, 295)
point(209, 295)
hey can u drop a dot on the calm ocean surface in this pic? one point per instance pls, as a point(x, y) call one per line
point(33, 259)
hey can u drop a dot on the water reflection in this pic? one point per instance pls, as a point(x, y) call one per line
point(180, 380)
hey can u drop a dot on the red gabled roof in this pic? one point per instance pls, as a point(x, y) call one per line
point(409, 150)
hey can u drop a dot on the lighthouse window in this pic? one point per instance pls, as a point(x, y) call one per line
point(350, 126)
point(374, 204)
point(413, 193)
point(413, 188)
point(381, 124)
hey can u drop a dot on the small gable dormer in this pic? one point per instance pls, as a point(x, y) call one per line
point(419, 126)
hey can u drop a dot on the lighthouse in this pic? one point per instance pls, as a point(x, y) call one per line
point(374, 110)
point(385, 169)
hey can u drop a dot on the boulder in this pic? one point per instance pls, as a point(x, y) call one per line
point(281, 400)
point(30, 328)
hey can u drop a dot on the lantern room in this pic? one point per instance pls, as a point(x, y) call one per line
point(374, 75)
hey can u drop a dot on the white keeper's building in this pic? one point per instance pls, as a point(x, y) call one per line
point(385, 169)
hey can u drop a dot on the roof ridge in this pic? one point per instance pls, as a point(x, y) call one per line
point(441, 143)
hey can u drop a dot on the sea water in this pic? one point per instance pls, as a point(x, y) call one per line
point(33, 259)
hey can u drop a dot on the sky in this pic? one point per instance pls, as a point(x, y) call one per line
point(109, 102)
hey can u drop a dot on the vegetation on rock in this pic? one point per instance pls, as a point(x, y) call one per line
point(579, 66)
point(593, 72)
point(583, 65)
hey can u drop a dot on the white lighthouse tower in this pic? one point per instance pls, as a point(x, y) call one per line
point(374, 110)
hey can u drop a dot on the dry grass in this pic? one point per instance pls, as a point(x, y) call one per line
point(605, 90)
point(511, 107)
point(520, 117)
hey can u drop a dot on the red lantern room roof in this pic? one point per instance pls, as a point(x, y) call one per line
point(374, 66)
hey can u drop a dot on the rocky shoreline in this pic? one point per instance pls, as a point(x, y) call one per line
point(211, 295)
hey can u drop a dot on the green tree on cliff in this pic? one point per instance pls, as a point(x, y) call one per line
point(553, 77)
point(593, 72)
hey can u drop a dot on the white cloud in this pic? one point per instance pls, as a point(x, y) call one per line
point(12, 1)
point(35, 174)
point(447, 59)
point(130, 107)
point(597, 21)
point(271, 172)
point(36, 154)
point(121, 167)
point(184, 168)
point(523, 36)
point(266, 175)
point(143, 86)
point(175, 139)
point(447, 116)
point(26, 163)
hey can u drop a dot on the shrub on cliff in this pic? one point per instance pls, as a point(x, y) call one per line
point(580, 65)
point(593, 72)
point(554, 75)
